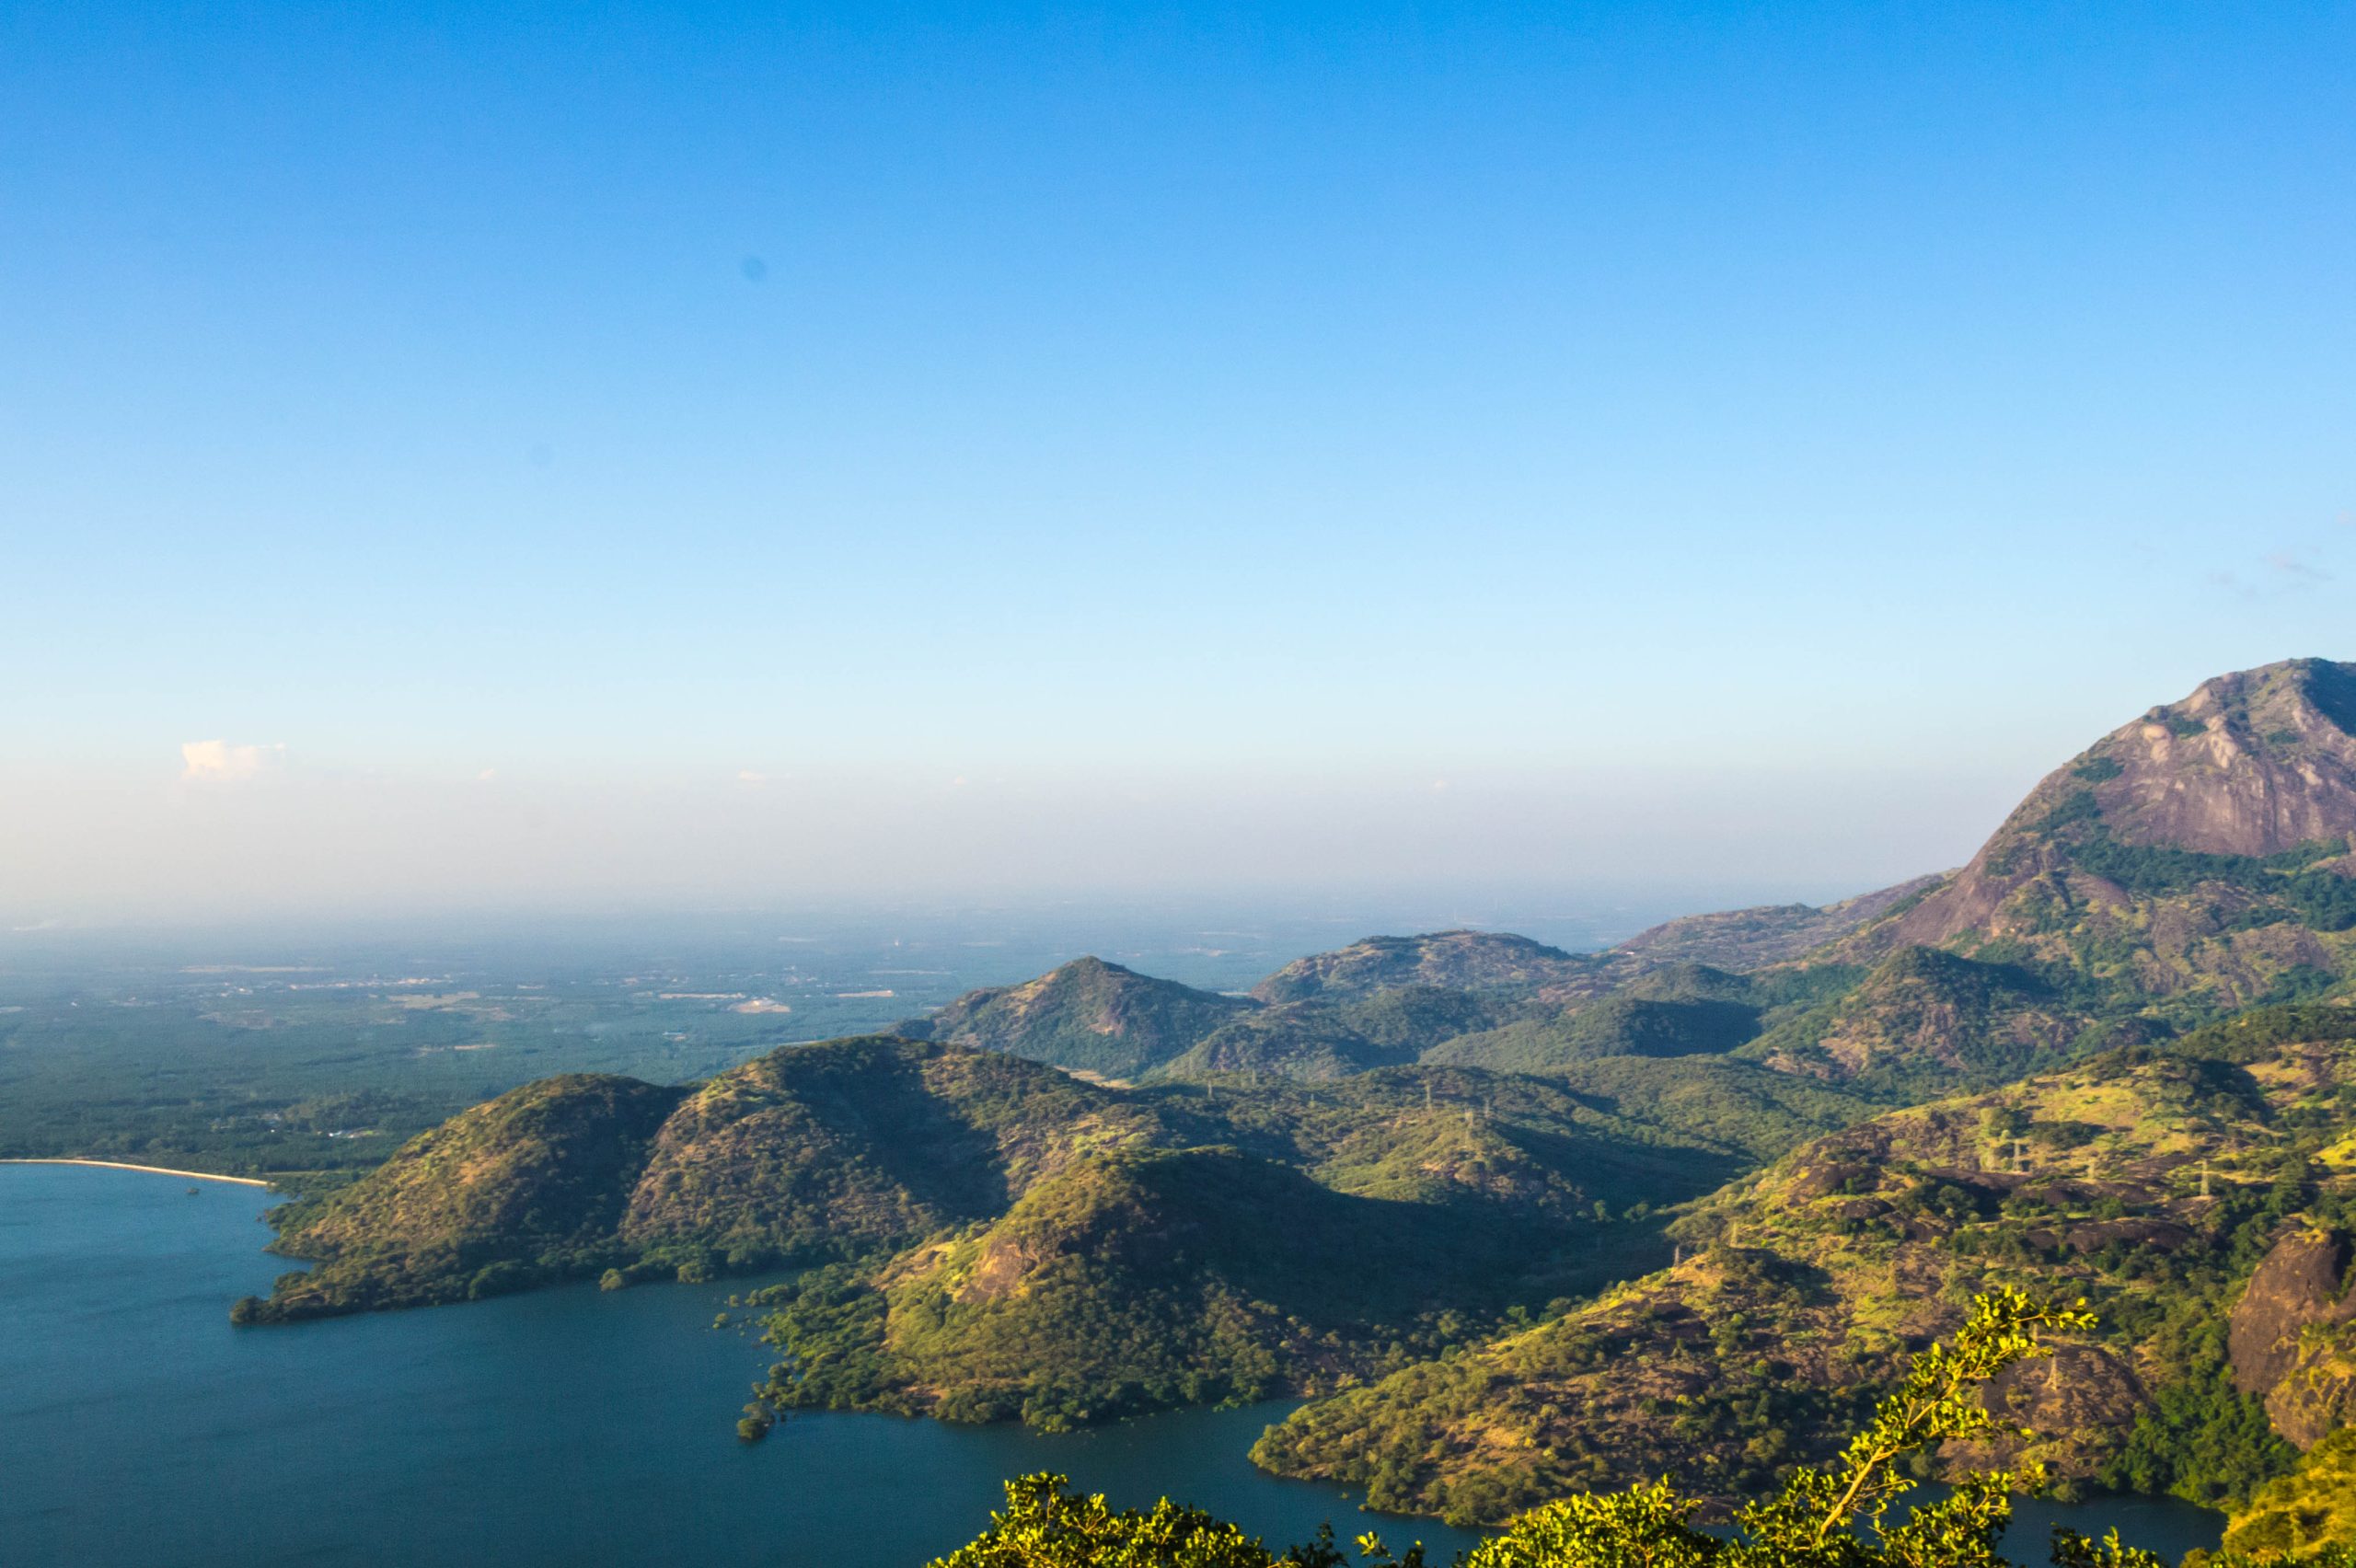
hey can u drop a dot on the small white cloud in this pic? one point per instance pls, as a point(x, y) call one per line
point(218, 761)
point(1438, 785)
point(746, 776)
point(486, 776)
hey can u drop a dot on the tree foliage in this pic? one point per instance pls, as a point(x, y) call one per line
point(1843, 1514)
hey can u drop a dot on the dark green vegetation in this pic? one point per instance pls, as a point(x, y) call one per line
point(2167, 1187)
point(1321, 1040)
point(804, 1155)
point(526, 1188)
point(2284, 886)
point(1007, 1239)
point(1842, 1514)
point(2312, 1507)
point(1682, 1009)
point(1090, 1016)
point(1926, 1020)
point(1139, 1280)
point(1325, 1236)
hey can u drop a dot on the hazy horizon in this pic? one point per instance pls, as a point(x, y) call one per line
point(255, 840)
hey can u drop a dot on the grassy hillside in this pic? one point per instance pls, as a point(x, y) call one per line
point(808, 1153)
point(1682, 1009)
point(823, 1151)
point(992, 1237)
point(1136, 1281)
point(2313, 1505)
point(1750, 1111)
point(531, 1185)
point(1861, 1508)
point(2154, 1184)
point(1924, 1021)
point(1312, 1236)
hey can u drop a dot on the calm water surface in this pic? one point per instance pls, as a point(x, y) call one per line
point(567, 1426)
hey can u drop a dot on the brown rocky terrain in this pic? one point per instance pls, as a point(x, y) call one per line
point(2294, 1334)
point(2252, 764)
point(2135, 1179)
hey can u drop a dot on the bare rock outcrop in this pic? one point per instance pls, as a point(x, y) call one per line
point(2293, 1335)
point(2254, 763)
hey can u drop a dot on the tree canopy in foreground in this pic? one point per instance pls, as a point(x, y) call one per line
point(1841, 1514)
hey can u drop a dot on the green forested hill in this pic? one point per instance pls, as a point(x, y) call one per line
point(1330, 1232)
point(806, 1154)
point(1325, 1039)
point(816, 1151)
point(2313, 1505)
point(2155, 1184)
point(857, 1149)
point(535, 1181)
point(1142, 1279)
point(1681, 1009)
point(1091, 1015)
point(1529, 1223)
point(1926, 1020)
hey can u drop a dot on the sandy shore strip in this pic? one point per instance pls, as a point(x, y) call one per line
point(156, 1169)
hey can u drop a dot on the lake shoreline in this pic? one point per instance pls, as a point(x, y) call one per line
point(152, 1170)
point(101, 1282)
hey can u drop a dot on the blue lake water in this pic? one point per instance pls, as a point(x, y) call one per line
point(566, 1427)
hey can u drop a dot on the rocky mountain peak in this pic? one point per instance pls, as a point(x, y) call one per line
point(2258, 763)
point(2255, 763)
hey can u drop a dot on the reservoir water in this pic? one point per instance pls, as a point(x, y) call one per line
point(566, 1427)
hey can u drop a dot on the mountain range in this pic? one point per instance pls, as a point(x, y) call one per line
point(1526, 1221)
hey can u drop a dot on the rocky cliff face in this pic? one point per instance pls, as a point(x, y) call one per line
point(2255, 764)
point(2294, 1334)
point(2250, 764)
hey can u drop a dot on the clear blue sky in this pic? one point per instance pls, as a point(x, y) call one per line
point(1753, 442)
